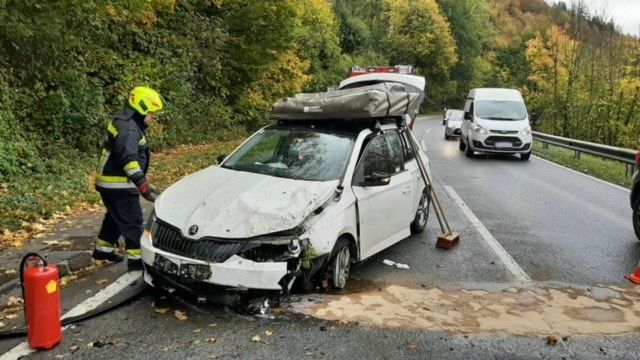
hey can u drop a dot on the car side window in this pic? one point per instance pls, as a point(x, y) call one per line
point(376, 158)
point(396, 150)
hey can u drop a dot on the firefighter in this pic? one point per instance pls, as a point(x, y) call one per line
point(121, 177)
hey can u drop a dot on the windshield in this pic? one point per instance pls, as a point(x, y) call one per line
point(456, 116)
point(299, 154)
point(500, 110)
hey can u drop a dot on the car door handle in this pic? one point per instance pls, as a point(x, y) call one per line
point(406, 189)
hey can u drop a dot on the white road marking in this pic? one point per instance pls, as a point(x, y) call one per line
point(583, 174)
point(89, 304)
point(504, 256)
point(423, 141)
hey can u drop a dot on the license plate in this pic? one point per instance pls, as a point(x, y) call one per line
point(186, 271)
point(502, 145)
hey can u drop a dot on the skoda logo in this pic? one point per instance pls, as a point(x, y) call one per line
point(193, 229)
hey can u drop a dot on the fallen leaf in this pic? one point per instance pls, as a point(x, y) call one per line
point(11, 316)
point(14, 301)
point(210, 340)
point(180, 315)
point(166, 348)
point(37, 227)
point(268, 333)
point(74, 348)
point(10, 272)
point(197, 330)
point(102, 282)
point(51, 242)
point(412, 345)
point(256, 338)
point(59, 356)
point(551, 340)
point(90, 345)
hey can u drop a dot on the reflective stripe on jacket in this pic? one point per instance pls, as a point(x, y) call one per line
point(125, 154)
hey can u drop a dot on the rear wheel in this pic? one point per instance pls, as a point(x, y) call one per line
point(422, 214)
point(636, 220)
point(340, 264)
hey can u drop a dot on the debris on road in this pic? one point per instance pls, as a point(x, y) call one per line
point(256, 338)
point(102, 282)
point(180, 315)
point(552, 340)
point(393, 263)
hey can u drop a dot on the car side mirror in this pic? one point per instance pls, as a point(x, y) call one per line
point(221, 158)
point(376, 179)
point(467, 116)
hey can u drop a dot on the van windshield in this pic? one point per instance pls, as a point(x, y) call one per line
point(299, 154)
point(500, 110)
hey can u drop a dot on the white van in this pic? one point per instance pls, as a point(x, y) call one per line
point(496, 121)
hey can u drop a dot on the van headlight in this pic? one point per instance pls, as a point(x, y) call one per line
point(526, 131)
point(480, 130)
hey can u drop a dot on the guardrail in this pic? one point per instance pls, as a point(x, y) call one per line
point(627, 156)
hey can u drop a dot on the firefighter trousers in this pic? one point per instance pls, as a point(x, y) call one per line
point(123, 218)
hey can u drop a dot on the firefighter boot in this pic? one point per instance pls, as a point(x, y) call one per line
point(134, 259)
point(106, 251)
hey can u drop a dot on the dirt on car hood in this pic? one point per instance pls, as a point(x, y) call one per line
point(234, 204)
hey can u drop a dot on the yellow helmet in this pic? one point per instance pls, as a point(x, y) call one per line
point(145, 100)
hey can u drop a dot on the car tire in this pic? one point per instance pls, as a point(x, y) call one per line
point(419, 222)
point(446, 137)
point(636, 221)
point(467, 151)
point(525, 156)
point(461, 144)
point(340, 264)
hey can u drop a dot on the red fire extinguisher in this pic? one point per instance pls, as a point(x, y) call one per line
point(41, 294)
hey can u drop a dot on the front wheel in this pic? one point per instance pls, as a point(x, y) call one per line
point(461, 144)
point(636, 221)
point(340, 264)
point(422, 214)
point(467, 151)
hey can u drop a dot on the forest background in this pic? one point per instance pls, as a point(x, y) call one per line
point(66, 66)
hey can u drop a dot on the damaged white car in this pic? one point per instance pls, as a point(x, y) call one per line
point(300, 199)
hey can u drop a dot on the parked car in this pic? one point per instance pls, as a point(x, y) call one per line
point(453, 123)
point(496, 121)
point(635, 197)
point(447, 112)
point(298, 199)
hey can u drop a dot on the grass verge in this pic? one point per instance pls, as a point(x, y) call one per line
point(32, 204)
point(608, 170)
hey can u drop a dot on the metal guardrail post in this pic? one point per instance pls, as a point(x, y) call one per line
point(626, 156)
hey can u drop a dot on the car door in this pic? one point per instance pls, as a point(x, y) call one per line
point(382, 209)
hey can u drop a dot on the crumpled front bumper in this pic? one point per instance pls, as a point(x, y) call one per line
point(235, 272)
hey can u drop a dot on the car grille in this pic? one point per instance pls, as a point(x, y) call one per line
point(170, 239)
point(492, 140)
point(504, 132)
point(456, 131)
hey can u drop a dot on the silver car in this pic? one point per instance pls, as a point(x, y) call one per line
point(453, 123)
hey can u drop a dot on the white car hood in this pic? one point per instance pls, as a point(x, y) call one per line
point(503, 125)
point(226, 203)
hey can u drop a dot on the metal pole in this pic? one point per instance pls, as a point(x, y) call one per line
point(428, 182)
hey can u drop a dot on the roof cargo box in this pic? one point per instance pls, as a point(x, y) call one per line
point(366, 102)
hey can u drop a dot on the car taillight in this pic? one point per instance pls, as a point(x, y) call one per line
point(638, 158)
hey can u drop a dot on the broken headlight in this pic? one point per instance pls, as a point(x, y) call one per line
point(151, 225)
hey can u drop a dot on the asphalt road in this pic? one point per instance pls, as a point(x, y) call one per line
point(538, 243)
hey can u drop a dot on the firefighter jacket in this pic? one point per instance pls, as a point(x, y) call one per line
point(125, 156)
